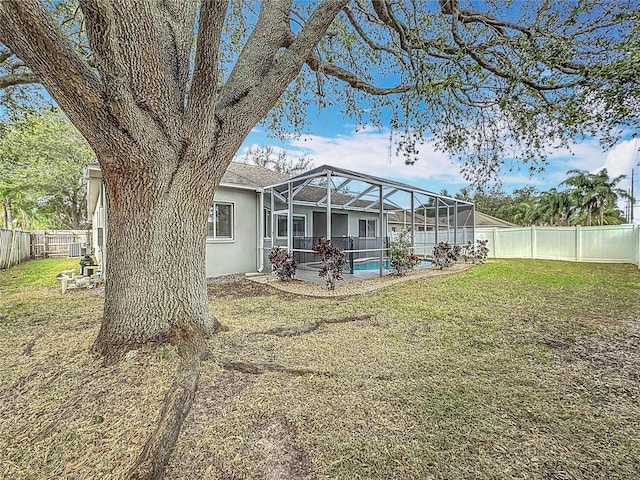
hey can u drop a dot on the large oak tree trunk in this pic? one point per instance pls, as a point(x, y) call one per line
point(155, 279)
point(164, 127)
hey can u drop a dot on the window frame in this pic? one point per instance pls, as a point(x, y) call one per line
point(375, 227)
point(212, 234)
point(286, 218)
point(267, 218)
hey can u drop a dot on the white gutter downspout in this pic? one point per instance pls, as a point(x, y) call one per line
point(260, 243)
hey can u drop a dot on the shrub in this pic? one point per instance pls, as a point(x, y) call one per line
point(468, 252)
point(333, 261)
point(482, 251)
point(282, 262)
point(401, 259)
point(475, 253)
point(445, 255)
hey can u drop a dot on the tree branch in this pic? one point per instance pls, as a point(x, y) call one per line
point(28, 30)
point(5, 54)
point(143, 59)
point(17, 79)
point(491, 67)
point(317, 65)
point(360, 31)
point(299, 50)
point(199, 117)
point(258, 55)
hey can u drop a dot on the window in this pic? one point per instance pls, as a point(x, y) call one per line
point(267, 223)
point(367, 228)
point(299, 225)
point(220, 224)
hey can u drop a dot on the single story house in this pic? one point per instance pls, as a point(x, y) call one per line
point(256, 208)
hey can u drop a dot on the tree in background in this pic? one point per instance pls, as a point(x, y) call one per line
point(280, 162)
point(607, 193)
point(166, 106)
point(42, 159)
point(587, 193)
point(593, 192)
point(582, 191)
point(514, 207)
point(552, 208)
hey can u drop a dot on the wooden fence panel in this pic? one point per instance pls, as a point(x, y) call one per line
point(14, 247)
point(58, 243)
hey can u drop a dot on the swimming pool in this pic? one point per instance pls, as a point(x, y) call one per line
point(375, 265)
point(365, 265)
point(369, 265)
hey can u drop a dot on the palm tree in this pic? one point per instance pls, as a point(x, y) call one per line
point(612, 215)
point(581, 185)
point(595, 191)
point(554, 207)
point(607, 192)
point(524, 214)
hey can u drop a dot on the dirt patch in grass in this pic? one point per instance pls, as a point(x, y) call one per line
point(277, 440)
point(242, 288)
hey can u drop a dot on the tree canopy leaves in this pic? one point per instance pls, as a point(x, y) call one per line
point(484, 80)
point(42, 159)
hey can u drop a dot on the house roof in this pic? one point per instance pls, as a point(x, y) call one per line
point(254, 176)
point(404, 217)
point(484, 220)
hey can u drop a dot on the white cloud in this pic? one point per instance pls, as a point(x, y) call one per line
point(370, 152)
point(622, 159)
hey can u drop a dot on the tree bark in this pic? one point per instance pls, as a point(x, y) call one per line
point(155, 292)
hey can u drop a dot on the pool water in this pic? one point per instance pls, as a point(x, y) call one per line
point(366, 265)
point(369, 265)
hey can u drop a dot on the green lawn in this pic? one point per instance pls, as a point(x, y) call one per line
point(514, 369)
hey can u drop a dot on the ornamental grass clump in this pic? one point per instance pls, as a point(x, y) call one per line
point(333, 261)
point(283, 264)
point(401, 259)
point(445, 255)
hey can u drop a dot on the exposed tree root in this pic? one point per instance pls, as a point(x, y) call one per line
point(152, 461)
point(311, 325)
point(262, 368)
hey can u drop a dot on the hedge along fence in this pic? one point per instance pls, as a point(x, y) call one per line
point(15, 247)
point(607, 244)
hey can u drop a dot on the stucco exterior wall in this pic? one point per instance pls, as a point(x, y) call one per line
point(237, 255)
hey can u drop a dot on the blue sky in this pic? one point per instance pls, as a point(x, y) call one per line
point(335, 141)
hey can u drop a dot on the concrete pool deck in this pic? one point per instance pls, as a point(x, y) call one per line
point(309, 283)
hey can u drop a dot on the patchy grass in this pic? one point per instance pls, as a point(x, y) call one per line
point(514, 369)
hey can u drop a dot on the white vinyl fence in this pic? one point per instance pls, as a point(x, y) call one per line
point(608, 244)
point(15, 247)
point(425, 241)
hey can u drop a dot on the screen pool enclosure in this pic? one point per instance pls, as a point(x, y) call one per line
point(359, 213)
